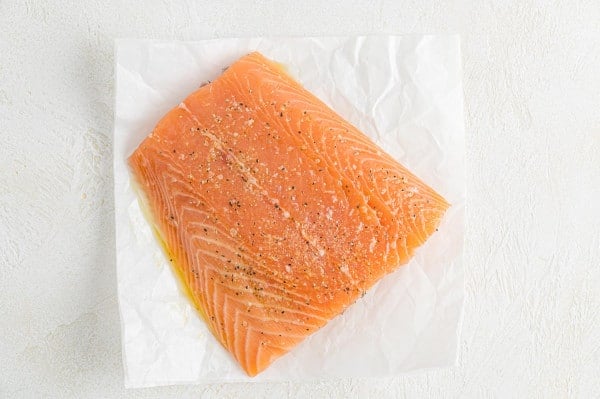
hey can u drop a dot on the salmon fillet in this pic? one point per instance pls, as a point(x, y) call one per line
point(276, 213)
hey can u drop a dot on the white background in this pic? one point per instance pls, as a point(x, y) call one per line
point(532, 101)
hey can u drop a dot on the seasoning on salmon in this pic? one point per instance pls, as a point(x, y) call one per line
point(276, 212)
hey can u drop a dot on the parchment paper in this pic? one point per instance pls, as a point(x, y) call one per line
point(403, 91)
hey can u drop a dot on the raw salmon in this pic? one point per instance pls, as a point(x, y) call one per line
point(276, 212)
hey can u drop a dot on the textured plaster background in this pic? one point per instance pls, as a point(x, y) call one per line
point(532, 93)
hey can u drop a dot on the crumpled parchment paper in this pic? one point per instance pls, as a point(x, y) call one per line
point(403, 91)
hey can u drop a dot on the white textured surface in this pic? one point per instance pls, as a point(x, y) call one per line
point(532, 98)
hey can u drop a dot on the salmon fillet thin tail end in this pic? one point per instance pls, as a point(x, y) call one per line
point(276, 212)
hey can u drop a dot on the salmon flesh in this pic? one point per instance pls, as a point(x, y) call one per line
point(277, 213)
